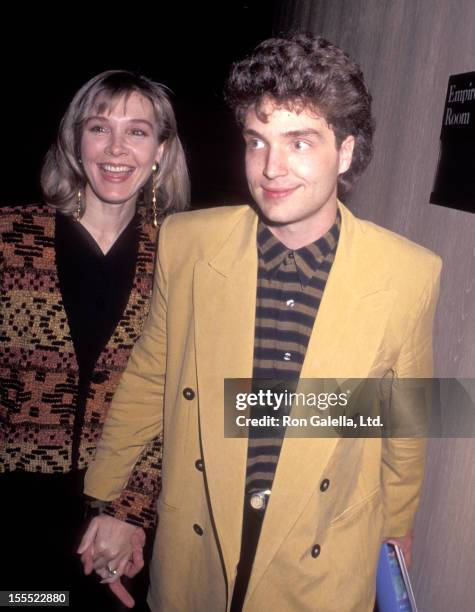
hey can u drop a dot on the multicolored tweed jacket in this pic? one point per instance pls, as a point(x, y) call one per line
point(38, 367)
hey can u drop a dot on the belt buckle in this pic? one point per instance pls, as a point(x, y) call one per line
point(258, 499)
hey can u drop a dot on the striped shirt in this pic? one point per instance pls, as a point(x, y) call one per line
point(290, 286)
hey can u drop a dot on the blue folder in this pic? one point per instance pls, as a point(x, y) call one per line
point(393, 586)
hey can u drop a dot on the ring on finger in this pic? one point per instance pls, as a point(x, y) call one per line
point(112, 572)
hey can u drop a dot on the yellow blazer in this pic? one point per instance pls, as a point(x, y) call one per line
point(376, 315)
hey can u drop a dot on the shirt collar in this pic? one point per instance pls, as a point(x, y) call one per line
point(308, 259)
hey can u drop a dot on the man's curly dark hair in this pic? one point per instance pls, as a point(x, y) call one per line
point(307, 71)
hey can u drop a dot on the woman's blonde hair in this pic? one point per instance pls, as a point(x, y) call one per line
point(62, 174)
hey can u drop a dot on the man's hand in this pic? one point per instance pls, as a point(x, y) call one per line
point(405, 544)
point(113, 548)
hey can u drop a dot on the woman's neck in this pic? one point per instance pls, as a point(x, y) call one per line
point(105, 222)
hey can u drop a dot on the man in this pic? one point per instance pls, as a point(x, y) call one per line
point(296, 286)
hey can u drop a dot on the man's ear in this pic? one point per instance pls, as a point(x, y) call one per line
point(346, 154)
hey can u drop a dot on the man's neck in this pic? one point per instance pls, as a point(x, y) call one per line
point(296, 236)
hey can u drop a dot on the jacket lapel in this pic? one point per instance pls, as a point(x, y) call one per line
point(224, 296)
point(140, 293)
point(346, 336)
point(354, 310)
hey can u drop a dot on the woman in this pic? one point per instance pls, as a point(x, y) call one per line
point(76, 277)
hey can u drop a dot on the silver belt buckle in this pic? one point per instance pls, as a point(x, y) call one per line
point(258, 499)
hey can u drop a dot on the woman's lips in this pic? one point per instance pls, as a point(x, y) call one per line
point(116, 174)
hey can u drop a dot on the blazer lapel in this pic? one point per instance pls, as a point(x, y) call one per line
point(344, 342)
point(224, 295)
point(354, 310)
point(140, 292)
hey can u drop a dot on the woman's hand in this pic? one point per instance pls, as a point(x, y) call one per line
point(113, 548)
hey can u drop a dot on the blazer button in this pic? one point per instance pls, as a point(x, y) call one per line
point(316, 550)
point(188, 393)
point(199, 465)
point(99, 377)
point(198, 529)
point(324, 485)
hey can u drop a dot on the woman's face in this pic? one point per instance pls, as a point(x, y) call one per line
point(118, 150)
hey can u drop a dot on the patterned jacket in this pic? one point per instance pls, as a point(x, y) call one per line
point(38, 368)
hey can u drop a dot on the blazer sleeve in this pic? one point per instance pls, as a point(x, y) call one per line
point(135, 417)
point(403, 458)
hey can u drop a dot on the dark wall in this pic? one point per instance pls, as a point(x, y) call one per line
point(187, 46)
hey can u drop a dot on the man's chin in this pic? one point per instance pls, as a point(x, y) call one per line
point(273, 218)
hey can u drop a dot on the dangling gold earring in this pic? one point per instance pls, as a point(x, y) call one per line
point(78, 213)
point(154, 198)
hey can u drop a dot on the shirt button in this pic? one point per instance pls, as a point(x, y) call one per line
point(198, 529)
point(315, 550)
point(290, 303)
point(188, 393)
point(287, 356)
point(324, 484)
point(199, 465)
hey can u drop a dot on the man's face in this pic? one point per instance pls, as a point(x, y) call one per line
point(292, 166)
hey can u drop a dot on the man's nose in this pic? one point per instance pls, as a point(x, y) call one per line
point(276, 163)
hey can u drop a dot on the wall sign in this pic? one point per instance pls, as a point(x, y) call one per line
point(454, 184)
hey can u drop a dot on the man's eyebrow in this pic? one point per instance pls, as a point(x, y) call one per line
point(306, 132)
point(289, 134)
point(249, 132)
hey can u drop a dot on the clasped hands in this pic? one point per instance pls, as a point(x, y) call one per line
point(113, 548)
